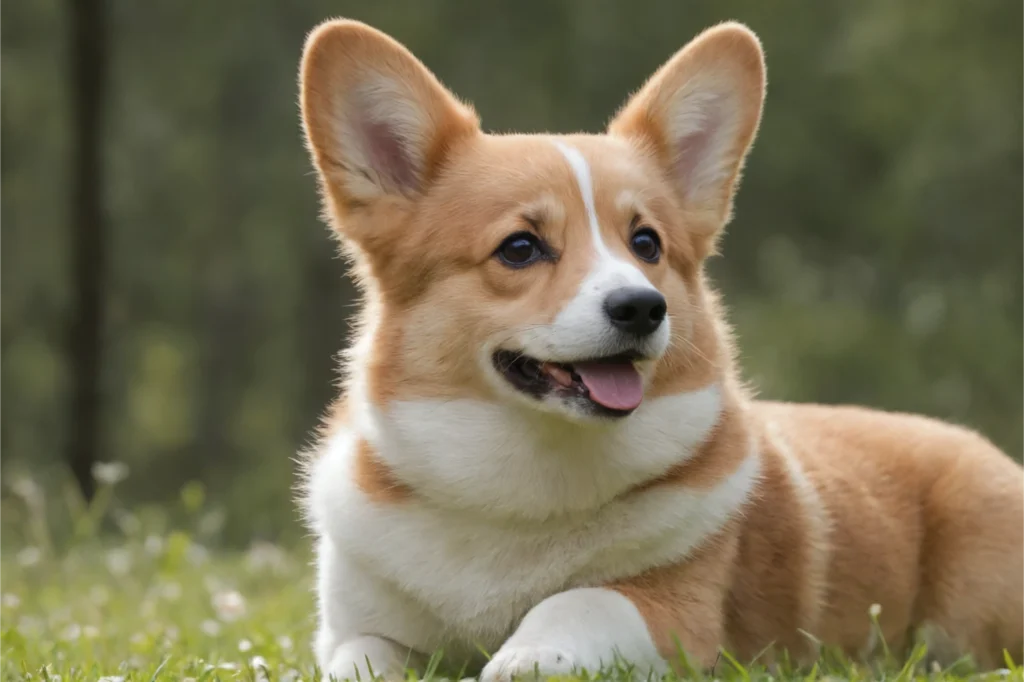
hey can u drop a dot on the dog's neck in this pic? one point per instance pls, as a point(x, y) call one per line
point(505, 460)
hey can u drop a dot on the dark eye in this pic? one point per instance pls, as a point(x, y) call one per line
point(520, 249)
point(646, 245)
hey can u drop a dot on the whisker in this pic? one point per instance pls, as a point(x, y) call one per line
point(689, 345)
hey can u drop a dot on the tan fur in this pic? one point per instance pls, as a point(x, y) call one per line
point(720, 455)
point(919, 517)
point(854, 507)
point(376, 479)
point(697, 590)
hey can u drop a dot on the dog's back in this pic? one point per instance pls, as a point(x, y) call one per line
point(861, 508)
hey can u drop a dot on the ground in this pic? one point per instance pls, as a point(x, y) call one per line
point(140, 601)
point(159, 609)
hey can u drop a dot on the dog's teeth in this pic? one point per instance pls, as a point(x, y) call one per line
point(557, 373)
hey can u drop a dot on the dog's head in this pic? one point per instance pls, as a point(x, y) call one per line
point(563, 273)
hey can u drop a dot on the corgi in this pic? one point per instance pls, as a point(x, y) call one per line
point(544, 459)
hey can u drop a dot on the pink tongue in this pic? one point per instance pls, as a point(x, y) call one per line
point(616, 385)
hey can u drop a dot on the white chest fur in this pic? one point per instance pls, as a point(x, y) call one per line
point(508, 512)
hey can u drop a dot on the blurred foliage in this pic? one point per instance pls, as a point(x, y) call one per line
point(875, 256)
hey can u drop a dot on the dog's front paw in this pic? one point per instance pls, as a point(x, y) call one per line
point(366, 659)
point(525, 661)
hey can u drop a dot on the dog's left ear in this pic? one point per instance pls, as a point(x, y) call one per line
point(699, 114)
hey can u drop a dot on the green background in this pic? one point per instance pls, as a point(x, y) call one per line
point(875, 256)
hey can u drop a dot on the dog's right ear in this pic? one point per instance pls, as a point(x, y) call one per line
point(377, 122)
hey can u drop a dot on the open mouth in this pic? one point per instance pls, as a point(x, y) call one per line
point(609, 386)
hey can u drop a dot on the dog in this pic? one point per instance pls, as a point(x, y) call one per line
point(544, 458)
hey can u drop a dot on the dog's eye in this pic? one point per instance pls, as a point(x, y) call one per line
point(646, 245)
point(520, 249)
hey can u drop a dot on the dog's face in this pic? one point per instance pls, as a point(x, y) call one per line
point(561, 273)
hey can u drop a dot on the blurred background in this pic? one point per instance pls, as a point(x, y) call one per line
point(171, 302)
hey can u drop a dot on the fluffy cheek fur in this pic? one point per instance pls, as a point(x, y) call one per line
point(420, 354)
point(424, 354)
point(697, 349)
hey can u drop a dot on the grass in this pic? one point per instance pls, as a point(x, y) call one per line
point(146, 602)
point(156, 610)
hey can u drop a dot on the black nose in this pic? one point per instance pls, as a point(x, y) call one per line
point(635, 310)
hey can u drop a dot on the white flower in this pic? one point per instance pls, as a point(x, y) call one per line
point(197, 555)
point(285, 642)
point(292, 675)
point(153, 545)
point(99, 595)
point(211, 523)
point(61, 614)
point(138, 639)
point(210, 628)
point(229, 605)
point(220, 666)
point(170, 591)
point(119, 562)
point(28, 490)
point(91, 632)
point(111, 678)
point(244, 645)
point(259, 666)
point(11, 601)
point(875, 611)
point(29, 556)
point(266, 556)
point(72, 632)
point(128, 523)
point(110, 473)
point(30, 625)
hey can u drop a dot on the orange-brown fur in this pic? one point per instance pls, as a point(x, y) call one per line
point(917, 516)
point(922, 518)
point(699, 589)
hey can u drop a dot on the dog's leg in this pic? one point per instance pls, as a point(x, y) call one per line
point(585, 628)
point(641, 622)
point(354, 604)
point(368, 658)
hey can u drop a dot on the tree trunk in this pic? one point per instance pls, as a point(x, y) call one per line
point(88, 66)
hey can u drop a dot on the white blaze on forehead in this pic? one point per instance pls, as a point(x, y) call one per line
point(608, 266)
point(582, 327)
point(581, 169)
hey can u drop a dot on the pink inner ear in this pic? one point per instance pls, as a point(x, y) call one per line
point(695, 161)
point(388, 155)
